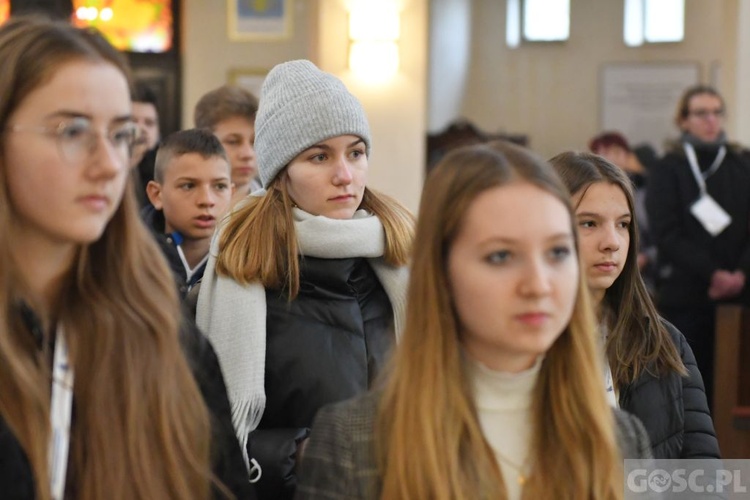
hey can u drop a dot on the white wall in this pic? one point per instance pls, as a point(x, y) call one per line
point(450, 59)
point(741, 112)
point(209, 54)
point(550, 91)
point(396, 109)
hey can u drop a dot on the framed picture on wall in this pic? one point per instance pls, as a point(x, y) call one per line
point(251, 79)
point(259, 19)
point(639, 99)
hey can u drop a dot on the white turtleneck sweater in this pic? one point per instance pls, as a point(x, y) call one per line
point(609, 385)
point(503, 402)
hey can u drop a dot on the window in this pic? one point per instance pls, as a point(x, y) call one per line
point(653, 21)
point(4, 10)
point(132, 25)
point(537, 21)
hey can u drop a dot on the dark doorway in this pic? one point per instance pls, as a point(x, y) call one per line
point(162, 73)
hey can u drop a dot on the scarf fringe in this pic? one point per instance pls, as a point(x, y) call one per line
point(233, 316)
point(246, 415)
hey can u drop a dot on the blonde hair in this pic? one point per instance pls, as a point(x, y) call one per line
point(259, 243)
point(442, 453)
point(141, 427)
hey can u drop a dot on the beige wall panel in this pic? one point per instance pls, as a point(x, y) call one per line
point(396, 109)
point(551, 91)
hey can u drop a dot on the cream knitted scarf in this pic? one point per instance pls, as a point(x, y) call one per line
point(233, 316)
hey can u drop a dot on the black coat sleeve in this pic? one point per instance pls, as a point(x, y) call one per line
point(744, 262)
point(227, 462)
point(700, 437)
point(631, 436)
point(276, 452)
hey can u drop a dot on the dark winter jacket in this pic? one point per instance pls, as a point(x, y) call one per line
point(688, 254)
point(673, 409)
point(168, 242)
point(16, 478)
point(325, 346)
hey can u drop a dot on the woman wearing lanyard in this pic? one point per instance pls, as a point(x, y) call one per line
point(102, 393)
point(698, 202)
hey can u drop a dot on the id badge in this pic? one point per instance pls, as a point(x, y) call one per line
point(710, 214)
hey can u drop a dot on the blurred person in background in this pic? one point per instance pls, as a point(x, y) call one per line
point(146, 118)
point(699, 207)
point(229, 112)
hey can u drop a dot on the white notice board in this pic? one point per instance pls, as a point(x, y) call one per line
point(639, 99)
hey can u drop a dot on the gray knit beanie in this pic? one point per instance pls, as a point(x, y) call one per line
point(301, 106)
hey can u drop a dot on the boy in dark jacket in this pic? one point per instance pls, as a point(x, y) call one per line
point(190, 193)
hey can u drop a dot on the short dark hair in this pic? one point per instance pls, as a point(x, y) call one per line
point(143, 93)
point(195, 140)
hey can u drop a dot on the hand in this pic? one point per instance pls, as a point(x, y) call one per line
point(722, 285)
point(725, 284)
point(739, 282)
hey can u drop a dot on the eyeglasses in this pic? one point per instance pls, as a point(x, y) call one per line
point(705, 113)
point(77, 138)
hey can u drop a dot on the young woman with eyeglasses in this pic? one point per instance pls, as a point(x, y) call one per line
point(103, 392)
point(698, 205)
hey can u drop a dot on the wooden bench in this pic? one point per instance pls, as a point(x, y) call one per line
point(731, 408)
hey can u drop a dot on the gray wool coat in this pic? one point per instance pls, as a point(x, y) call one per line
point(339, 461)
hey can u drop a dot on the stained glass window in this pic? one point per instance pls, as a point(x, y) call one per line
point(132, 25)
point(4, 10)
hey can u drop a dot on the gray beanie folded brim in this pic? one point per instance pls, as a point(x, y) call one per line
point(301, 106)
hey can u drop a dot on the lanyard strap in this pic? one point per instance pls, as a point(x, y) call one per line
point(700, 178)
point(61, 409)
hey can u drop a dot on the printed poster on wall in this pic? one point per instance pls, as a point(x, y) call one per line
point(639, 99)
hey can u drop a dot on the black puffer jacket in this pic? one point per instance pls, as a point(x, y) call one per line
point(325, 346)
point(17, 480)
point(673, 409)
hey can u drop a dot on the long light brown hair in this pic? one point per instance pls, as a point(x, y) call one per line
point(141, 428)
point(259, 243)
point(637, 340)
point(430, 441)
